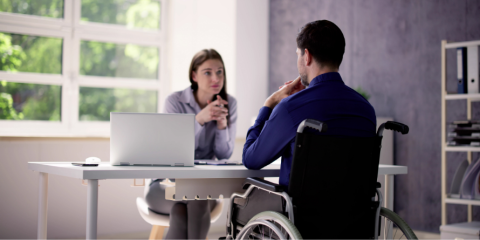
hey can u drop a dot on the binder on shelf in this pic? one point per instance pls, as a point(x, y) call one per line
point(457, 179)
point(462, 70)
point(472, 69)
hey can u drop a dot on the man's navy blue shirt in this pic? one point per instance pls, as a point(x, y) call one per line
point(327, 99)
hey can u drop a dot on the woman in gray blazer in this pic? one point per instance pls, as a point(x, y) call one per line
point(215, 128)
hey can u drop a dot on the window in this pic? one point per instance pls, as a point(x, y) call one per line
point(66, 64)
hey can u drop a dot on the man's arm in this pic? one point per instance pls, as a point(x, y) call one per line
point(272, 130)
point(267, 138)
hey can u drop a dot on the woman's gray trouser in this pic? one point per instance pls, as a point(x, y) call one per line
point(188, 219)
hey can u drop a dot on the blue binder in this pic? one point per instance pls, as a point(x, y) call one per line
point(462, 70)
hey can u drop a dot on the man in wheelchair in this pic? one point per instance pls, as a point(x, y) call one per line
point(327, 178)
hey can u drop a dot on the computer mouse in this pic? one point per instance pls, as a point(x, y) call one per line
point(92, 160)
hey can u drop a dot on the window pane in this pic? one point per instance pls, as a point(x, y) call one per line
point(97, 103)
point(118, 60)
point(44, 8)
point(144, 14)
point(25, 101)
point(25, 53)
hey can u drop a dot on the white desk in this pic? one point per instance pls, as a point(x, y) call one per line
point(184, 175)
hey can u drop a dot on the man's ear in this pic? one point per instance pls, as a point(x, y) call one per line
point(308, 58)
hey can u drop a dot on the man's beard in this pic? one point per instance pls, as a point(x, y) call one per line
point(304, 79)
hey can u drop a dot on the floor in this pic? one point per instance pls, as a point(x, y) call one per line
point(213, 234)
point(427, 235)
point(219, 233)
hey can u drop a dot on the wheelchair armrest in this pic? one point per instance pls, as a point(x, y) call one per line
point(269, 186)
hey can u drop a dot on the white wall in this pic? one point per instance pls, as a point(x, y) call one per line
point(238, 30)
point(194, 25)
point(252, 61)
point(67, 196)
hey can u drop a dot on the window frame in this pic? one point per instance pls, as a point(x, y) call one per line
point(73, 31)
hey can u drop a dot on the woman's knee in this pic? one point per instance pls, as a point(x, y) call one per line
point(155, 198)
point(179, 210)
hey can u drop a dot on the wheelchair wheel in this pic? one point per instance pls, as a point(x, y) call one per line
point(269, 225)
point(399, 229)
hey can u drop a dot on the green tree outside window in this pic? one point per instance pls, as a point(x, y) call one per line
point(24, 53)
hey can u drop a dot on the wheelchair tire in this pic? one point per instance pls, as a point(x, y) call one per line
point(275, 224)
point(396, 222)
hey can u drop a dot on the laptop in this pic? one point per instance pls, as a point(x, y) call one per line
point(152, 139)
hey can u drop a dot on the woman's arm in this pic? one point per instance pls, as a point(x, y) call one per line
point(225, 138)
point(174, 105)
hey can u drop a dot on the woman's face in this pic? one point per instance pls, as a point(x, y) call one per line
point(210, 76)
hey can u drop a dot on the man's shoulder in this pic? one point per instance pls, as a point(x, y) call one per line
point(318, 97)
point(297, 98)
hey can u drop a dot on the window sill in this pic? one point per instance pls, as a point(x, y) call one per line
point(19, 139)
point(43, 129)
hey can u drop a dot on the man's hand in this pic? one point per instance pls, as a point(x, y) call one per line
point(299, 87)
point(214, 111)
point(285, 91)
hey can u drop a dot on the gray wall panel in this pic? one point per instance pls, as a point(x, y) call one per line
point(393, 52)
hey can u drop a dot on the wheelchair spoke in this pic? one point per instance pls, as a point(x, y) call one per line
point(262, 230)
point(394, 227)
point(269, 225)
point(391, 227)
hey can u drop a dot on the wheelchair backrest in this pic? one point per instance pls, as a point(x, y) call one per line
point(332, 182)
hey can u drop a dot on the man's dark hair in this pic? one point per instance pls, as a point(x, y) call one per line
point(324, 40)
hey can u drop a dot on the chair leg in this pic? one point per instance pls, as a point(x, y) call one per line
point(157, 232)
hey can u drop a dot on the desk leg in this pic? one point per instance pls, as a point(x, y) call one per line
point(388, 192)
point(42, 205)
point(389, 201)
point(92, 206)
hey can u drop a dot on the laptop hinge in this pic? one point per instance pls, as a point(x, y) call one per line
point(179, 164)
point(124, 163)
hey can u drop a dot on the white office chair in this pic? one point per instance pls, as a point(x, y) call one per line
point(159, 222)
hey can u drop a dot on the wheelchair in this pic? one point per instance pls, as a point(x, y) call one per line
point(333, 193)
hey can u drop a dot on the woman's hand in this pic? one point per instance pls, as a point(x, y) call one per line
point(214, 111)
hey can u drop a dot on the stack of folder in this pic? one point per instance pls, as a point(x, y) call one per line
point(464, 133)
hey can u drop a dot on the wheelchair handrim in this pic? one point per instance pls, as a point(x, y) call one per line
point(249, 229)
point(281, 220)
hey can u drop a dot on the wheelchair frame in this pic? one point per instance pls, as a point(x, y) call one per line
point(317, 125)
point(289, 207)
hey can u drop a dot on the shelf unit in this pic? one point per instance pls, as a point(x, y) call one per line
point(462, 201)
point(445, 97)
point(473, 97)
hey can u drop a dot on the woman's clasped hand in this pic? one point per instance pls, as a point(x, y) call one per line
point(214, 111)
